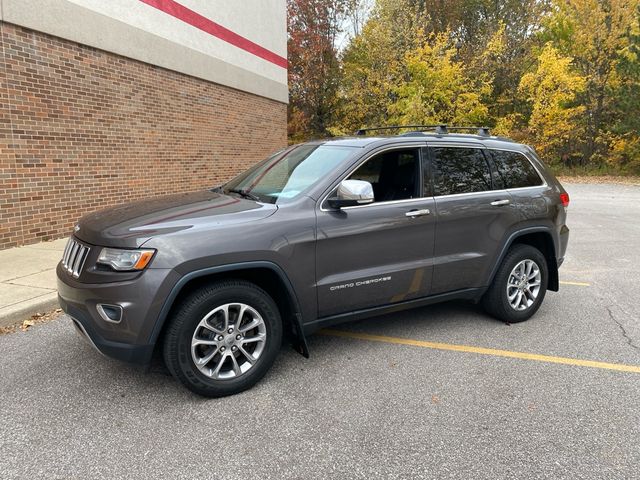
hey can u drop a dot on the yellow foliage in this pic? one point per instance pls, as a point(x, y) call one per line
point(551, 91)
point(624, 151)
point(438, 88)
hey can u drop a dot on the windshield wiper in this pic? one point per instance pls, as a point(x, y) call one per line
point(244, 193)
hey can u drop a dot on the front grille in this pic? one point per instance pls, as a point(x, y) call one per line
point(74, 256)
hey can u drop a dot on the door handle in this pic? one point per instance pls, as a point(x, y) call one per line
point(499, 203)
point(417, 213)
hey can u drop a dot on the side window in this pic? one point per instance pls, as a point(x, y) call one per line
point(460, 170)
point(393, 175)
point(513, 170)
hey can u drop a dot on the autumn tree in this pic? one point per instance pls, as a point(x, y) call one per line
point(492, 37)
point(370, 69)
point(562, 75)
point(625, 129)
point(594, 33)
point(314, 70)
point(438, 88)
point(552, 90)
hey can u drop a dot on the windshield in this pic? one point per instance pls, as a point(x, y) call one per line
point(286, 175)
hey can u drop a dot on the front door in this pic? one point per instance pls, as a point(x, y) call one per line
point(379, 253)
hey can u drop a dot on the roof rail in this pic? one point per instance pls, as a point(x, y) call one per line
point(439, 129)
point(481, 131)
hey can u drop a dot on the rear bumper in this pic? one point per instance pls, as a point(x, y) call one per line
point(563, 238)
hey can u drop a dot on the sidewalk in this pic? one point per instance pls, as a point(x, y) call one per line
point(28, 280)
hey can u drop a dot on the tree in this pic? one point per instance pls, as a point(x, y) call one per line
point(594, 33)
point(370, 69)
point(562, 75)
point(314, 70)
point(552, 90)
point(493, 38)
point(438, 88)
point(624, 139)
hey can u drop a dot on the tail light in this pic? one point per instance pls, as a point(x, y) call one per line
point(564, 198)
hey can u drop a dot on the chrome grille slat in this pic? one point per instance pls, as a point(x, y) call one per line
point(74, 257)
point(66, 252)
point(78, 260)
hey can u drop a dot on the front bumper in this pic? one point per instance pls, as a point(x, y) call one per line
point(139, 354)
point(142, 298)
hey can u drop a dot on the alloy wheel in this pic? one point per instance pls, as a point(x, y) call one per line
point(523, 285)
point(228, 341)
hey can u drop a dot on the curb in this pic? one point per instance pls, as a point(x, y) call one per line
point(24, 310)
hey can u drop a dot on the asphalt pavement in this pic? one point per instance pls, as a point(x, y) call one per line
point(424, 400)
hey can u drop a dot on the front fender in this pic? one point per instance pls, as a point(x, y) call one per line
point(295, 306)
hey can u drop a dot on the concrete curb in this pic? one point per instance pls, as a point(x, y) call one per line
point(23, 311)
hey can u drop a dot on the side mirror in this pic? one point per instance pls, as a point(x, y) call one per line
point(351, 193)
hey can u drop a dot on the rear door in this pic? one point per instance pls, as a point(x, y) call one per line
point(473, 217)
point(380, 253)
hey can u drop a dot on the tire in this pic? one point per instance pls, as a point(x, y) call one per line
point(496, 300)
point(197, 332)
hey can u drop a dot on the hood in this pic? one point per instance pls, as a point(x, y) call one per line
point(132, 224)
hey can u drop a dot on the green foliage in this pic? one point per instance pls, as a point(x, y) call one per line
point(370, 67)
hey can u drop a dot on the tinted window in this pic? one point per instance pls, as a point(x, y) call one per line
point(393, 175)
point(513, 170)
point(460, 170)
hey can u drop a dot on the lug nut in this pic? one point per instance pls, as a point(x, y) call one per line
point(220, 338)
point(238, 337)
point(230, 330)
point(222, 349)
point(234, 348)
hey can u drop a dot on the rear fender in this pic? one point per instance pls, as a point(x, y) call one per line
point(549, 252)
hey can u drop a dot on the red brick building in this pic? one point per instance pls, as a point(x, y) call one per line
point(106, 102)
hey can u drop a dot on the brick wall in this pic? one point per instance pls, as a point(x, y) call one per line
point(82, 129)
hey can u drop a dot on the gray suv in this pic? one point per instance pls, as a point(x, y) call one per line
point(317, 234)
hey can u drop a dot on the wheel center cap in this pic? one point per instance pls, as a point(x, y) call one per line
point(230, 339)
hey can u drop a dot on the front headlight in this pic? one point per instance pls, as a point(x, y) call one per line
point(125, 260)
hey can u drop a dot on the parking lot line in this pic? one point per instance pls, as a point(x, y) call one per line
point(578, 284)
point(482, 351)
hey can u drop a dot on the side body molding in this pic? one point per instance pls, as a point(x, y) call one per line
point(293, 299)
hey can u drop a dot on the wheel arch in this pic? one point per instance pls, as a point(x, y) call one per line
point(540, 238)
point(267, 275)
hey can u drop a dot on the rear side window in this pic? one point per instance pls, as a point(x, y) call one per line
point(460, 170)
point(513, 170)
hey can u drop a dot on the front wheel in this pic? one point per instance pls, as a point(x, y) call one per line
point(519, 285)
point(223, 338)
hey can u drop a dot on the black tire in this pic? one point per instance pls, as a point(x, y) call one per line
point(187, 317)
point(495, 300)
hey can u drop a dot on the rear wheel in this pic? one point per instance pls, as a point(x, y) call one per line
point(519, 285)
point(223, 338)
